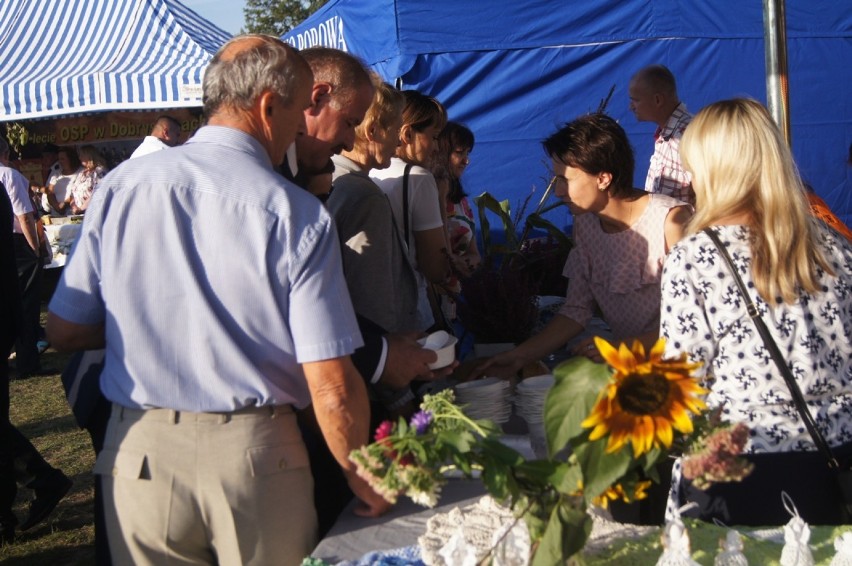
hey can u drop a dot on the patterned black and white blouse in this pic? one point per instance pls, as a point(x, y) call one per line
point(704, 315)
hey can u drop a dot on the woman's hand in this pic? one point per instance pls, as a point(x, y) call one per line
point(587, 349)
point(503, 365)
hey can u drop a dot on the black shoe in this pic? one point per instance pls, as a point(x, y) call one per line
point(45, 501)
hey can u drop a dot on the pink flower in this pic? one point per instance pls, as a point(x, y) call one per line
point(383, 431)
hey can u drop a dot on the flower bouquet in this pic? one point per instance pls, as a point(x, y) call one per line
point(615, 425)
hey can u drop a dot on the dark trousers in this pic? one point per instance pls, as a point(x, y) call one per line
point(20, 462)
point(756, 501)
point(29, 281)
point(96, 425)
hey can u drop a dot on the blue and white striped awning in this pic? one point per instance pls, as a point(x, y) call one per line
point(62, 57)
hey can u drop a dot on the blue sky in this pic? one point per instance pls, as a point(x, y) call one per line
point(227, 14)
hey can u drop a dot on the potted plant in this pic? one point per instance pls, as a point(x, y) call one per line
point(498, 303)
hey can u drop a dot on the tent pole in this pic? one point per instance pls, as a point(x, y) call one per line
point(775, 42)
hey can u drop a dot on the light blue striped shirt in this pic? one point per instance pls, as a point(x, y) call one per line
point(215, 276)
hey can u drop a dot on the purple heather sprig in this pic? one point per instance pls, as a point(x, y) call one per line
point(420, 421)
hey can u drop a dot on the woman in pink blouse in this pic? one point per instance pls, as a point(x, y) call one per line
point(621, 238)
point(86, 181)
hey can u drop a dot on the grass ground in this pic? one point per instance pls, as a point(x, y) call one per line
point(39, 410)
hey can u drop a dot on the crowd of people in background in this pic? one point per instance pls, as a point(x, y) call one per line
point(317, 226)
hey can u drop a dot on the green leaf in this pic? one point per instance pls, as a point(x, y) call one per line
point(600, 470)
point(494, 478)
point(486, 201)
point(566, 478)
point(498, 452)
point(460, 441)
point(578, 384)
point(565, 535)
point(536, 221)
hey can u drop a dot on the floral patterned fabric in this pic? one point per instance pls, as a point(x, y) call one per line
point(460, 225)
point(84, 184)
point(620, 273)
point(704, 315)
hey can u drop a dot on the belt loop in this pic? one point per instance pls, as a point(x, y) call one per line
point(224, 418)
point(174, 416)
point(120, 413)
point(273, 411)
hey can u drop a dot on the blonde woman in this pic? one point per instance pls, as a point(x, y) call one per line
point(381, 281)
point(84, 184)
point(417, 210)
point(799, 274)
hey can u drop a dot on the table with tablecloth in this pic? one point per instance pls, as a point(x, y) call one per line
point(61, 238)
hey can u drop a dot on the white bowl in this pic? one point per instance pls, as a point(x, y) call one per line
point(443, 344)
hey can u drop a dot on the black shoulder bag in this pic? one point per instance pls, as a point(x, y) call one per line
point(842, 473)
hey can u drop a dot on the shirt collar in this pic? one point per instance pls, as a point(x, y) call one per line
point(343, 165)
point(673, 123)
point(233, 138)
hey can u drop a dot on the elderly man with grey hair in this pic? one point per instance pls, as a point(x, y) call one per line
point(203, 462)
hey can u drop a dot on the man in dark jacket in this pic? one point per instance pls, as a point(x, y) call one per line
point(20, 462)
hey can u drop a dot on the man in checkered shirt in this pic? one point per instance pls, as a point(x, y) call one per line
point(653, 98)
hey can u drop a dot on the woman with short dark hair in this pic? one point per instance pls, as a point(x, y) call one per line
point(621, 238)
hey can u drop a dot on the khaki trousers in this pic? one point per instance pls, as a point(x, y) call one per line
point(207, 488)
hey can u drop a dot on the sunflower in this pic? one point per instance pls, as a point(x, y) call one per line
point(646, 399)
point(616, 492)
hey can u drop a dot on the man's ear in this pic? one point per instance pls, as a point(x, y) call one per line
point(266, 104)
point(320, 96)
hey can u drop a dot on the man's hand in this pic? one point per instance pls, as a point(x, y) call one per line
point(370, 503)
point(407, 360)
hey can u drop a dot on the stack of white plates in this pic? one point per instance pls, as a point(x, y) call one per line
point(487, 398)
point(529, 403)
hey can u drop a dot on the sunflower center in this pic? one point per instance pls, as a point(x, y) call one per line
point(643, 394)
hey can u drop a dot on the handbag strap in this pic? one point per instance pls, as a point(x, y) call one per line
point(777, 357)
point(405, 175)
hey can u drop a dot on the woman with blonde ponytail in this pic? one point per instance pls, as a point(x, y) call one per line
point(799, 275)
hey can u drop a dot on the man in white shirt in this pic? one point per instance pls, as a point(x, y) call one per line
point(165, 134)
point(28, 258)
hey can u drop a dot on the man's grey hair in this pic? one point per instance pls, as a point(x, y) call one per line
point(344, 72)
point(237, 81)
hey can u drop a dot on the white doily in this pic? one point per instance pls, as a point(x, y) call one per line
point(470, 531)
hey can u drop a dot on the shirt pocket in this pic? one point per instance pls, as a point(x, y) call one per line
point(268, 460)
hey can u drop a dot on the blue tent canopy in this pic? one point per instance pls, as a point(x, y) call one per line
point(68, 56)
point(514, 71)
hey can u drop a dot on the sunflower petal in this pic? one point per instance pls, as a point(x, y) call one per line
point(638, 350)
point(657, 350)
point(608, 353)
point(663, 430)
point(627, 361)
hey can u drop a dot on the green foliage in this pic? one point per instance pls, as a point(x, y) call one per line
point(578, 383)
point(277, 17)
point(17, 136)
point(498, 302)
